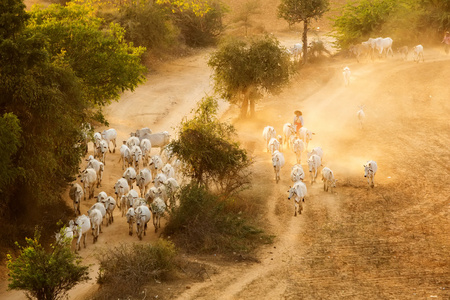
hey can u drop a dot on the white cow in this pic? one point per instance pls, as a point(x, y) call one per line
point(418, 53)
point(172, 186)
point(298, 147)
point(142, 133)
point(306, 136)
point(130, 176)
point(299, 192)
point(125, 156)
point(363, 49)
point(98, 166)
point(101, 197)
point(316, 150)
point(101, 208)
point(297, 51)
point(156, 163)
point(82, 225)
point(297, 173)
point(96, 219)
point(110, 136)
point(370, 169)
point(121, 188)
point(97, 139)
point(130, 220)
point(64, 236)
point(268, 133)
point(143, 180)
point(346, 73)
point(274, 145)
point(131, 197)
point(159, 140)
point(278, 163)
point(361, 116)
point(146, 147)
point(168, 170)
point(88, 179)
point(329, 182)
point(133, 141)
point(314, 162)
point(136, 156)
point(384, 45)
point(159, 180)
point(157, 207)
point(110, 205)
point(76, 194)
point(288, 131)
point(142, 217)
point(151, 195)
point(102, 149)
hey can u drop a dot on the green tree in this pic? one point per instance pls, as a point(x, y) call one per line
point(45, 275)
point(200, 22)
point(358, 21)
point(10, 141)
point(242, 71)
point(96, 52)
point(209, 151)
point(296, 11)
point(47, 81)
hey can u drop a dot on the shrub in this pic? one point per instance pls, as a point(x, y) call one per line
point(125, 269)
point(204, 223)
point(200, 23)
point(148, 25)
point(358, 21)
point(42, 274)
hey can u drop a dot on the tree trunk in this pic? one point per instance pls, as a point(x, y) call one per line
point(244, 106)
point(305, 41)
point(252, 107)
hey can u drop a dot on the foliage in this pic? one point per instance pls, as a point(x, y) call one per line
point(147, 25)
point(96, 52)
point(200, 22)
point(203, 223)
point(10, 141)
point(358, 21)
point(296, 11)
point(436, 13)
point(42, 274)
point(206, 146)
point(241, 71)
point(48, 64)
point(126, 268)
point(12, 18)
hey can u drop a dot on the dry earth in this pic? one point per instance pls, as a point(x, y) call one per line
point(389, 242)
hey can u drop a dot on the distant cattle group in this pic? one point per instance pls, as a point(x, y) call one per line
point(153, 177)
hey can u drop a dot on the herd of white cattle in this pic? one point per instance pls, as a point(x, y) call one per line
point(154, 176)
point(298, 143)
point(381, 47)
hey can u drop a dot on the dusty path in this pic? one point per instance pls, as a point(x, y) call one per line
point(387, 243)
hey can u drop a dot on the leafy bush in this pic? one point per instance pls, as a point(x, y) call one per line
point(125, 269)
point(148, 25)
point(204, 223)
point(42, 274)
point(208, 149)
point(200, 23)
point(357, 22)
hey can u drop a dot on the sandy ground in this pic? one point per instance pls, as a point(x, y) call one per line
point(389, 242)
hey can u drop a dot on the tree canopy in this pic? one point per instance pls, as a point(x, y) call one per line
point(56, 65)
point(45, 275)
point(296, 11)
point(207, 147)
point(242, 71)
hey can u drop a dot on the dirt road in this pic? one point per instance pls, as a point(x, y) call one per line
point(389, 242)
